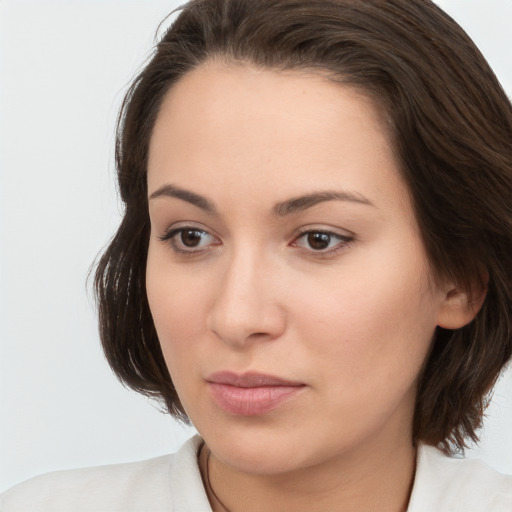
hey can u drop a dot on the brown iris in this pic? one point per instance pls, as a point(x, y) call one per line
point(319, 241)
point(191, 237)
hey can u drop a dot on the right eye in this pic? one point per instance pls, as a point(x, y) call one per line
point(189, 240)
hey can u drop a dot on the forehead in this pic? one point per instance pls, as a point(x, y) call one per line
point(245, 126)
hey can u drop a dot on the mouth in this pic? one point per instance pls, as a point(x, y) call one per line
point(251, 394)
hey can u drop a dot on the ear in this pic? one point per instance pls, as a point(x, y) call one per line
point(459, 308)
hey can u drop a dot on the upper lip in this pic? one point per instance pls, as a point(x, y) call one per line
point(249, 379)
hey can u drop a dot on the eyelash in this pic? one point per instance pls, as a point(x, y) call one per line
point(170, 238)
point(343, 240)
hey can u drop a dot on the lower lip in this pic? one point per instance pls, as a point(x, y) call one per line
point(251, 401)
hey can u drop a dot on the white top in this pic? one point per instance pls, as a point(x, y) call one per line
point(173, 483)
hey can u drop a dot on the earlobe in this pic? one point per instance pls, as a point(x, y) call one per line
point(460, 308)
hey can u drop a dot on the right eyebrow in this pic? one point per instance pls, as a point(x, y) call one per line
point(185, 195)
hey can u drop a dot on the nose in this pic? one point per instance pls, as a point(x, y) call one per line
point(246, 307)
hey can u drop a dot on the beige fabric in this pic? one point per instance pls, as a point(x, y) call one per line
point(173, 483)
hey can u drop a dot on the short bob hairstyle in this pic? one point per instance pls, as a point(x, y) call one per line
point(451, 126)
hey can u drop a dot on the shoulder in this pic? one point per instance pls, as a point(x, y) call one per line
point(448, 484)
point(98, 488)
point(156, 484)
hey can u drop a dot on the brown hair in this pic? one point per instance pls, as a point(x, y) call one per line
point(452, 128)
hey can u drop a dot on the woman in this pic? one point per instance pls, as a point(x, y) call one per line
point(313, 266)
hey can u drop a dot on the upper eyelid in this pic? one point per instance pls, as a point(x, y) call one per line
point(172, 232)
point(325, 229)
point(188, 225)
point(324, 232)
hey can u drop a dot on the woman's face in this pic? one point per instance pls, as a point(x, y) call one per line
point(286, 276)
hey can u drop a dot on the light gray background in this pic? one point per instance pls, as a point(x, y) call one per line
point(64, 66)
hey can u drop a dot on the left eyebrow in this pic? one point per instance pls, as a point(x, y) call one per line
point(304, 202)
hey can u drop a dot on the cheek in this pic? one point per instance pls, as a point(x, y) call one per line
point(178, 305)
point(376, 325)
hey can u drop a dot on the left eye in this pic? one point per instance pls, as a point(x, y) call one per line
point(191, 237)
point(321, 241)
point(188, 240)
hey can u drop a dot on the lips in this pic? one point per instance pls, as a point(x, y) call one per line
point(251, 394)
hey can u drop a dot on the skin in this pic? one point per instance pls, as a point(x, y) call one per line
point(352, 320)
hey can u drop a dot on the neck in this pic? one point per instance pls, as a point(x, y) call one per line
point(374, 478)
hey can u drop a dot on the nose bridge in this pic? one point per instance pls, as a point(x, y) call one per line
point(246, 306)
